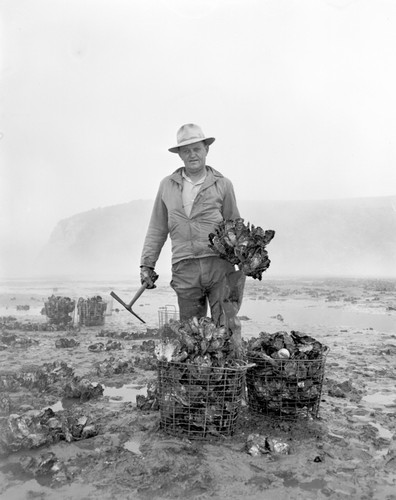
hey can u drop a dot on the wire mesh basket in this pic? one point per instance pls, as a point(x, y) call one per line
point(285, 389)
point(91, 311)
point(199, 401)
point(167, 313)
point(109, 306)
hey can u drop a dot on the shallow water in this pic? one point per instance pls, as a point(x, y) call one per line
point(380, 399)
point(62, 404)
point(298, 311)
point(290, 481)
point(125, 394)
point(302, 314)
point(34, 489)
point(133, 446)
point(383, 432)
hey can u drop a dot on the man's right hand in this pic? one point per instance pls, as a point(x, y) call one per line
point(148, 276)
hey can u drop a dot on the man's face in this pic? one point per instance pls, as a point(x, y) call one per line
point(194, 157)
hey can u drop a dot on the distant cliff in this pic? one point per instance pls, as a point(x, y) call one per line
point(331, 237)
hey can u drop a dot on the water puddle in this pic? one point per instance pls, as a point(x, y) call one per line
point(58, 406)
point(315, 484)
point(133, 446)
point(124, 394)
point(16, 470)
point(37, 488)
point(290, 481)
point(304, 314)
point(62, 404)
point(383, 432)
point(380, 399)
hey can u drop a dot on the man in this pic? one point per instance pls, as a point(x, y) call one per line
point(189, 205)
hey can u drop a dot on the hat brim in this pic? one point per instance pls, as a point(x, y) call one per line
point(206, 140)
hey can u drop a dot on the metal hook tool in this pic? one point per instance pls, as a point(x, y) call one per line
point(128, 307)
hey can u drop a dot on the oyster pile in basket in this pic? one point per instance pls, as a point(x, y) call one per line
point(196, 341)
point(91, 311)
point(243, 245)
point(200, 378)
point(288, 374)
point(59, 310)
point(281, 345)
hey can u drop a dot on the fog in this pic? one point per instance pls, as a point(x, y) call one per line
point(354, 237)
point(299, 95)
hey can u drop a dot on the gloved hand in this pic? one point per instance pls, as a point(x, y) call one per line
point(148, 276)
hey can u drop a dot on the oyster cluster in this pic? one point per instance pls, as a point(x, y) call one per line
point(66, 343)
point(36, 428)
point(82, 389)
point(58, 310)
point(42, 377)
point(22, 308)
point(57, 377)
point(8, 339)
point(149, 402)
point(128, 335)
point(287, 378)
point(196, 341)
point(242, 245)
point(257, 444)
point(112, 345)
point(11, 323)
point(113, 366)
point(281, 345)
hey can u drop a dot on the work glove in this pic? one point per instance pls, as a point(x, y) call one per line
point(148, 276)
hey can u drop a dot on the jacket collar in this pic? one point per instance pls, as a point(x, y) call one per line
point(212, 175)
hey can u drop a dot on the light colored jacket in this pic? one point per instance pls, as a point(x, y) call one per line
point(214, 202)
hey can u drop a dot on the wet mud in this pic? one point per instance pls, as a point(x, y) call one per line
point(72, 428)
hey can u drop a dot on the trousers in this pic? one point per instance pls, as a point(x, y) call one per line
point(209, 282)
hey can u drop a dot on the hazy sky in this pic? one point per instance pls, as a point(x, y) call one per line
point(300, 96)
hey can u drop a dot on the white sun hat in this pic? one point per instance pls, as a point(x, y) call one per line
point(189, 134)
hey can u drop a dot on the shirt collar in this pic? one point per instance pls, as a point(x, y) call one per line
point(199, 181)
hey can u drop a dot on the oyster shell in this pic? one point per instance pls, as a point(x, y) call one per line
point(166, 350)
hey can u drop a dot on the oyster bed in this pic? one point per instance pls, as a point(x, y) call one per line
point(116, 448)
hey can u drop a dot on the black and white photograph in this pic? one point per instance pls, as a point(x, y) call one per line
point(198, 249)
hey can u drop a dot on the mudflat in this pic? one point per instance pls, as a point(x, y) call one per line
point(117, 450)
